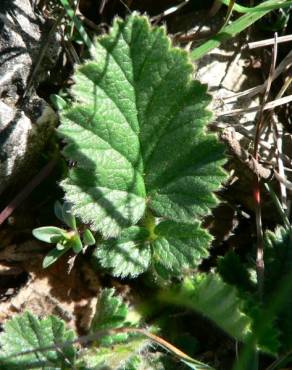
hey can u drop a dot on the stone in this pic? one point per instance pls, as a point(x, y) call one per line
point(26, 120)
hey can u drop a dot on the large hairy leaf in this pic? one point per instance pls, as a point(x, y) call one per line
point(218, 301)
point(136, 132)
point(25, 333)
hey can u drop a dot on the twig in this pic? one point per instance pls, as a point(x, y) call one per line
point(283, 180)
point(278, 141)
point(247, 94)
point(268, 42)
point(260, 265)
point(268, 106)
point(264, 144)
point(170, 11)
point(253, 167)
point(7, 211)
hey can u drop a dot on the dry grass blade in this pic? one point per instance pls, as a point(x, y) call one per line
point(268, 42)
point(247, 94)
point(260, 265)
point(268, 106)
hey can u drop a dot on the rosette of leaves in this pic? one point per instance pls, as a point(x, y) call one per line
point(65, 240)
point(145, 168)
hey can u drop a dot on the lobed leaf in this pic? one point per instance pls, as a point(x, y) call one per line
point(25, 333)
point(179, 246)
point(172, 249)
point(128, 255)
point(110, 313)
point(137, 133)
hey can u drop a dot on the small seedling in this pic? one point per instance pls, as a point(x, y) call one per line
point(63, 238)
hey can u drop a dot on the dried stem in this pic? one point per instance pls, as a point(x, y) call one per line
point(260, 266)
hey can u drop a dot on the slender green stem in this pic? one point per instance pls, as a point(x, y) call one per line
point(78, 25)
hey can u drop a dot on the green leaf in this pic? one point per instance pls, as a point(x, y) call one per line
point(76, 244)
point(129, 255)
point(110, 313)
point(58, 102)
point(64, 214)
point(172, 248)
point(55, 254)
point(25, 333)
point(252, 15)
point(118, 357)
point(58, 210)
point(49, 234)
point(234, 272)
point(278, 265)
point(88, 238)
point(136, 106)
point(179, 246)
point(218, 301)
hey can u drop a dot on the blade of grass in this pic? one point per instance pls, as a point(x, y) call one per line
point(78, 25)
point(271, 5)
point(251, 16)
point(278, 205)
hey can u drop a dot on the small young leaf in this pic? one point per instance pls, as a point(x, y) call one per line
point(136, 106)
point(88, 238)
point(54, 254)
point(58, 210)
point(129, 255)
point(60, 246)
point(64, 214)
point(26, 332)
point(49, 234)
point(76, 244)
point(58, 102)
point(68, 217)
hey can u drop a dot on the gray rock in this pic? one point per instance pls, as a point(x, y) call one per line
point(26, 121)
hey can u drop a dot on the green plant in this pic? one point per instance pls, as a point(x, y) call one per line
point(135, 106)
point(65, 240)
point(115, 338)
point(144, 174)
